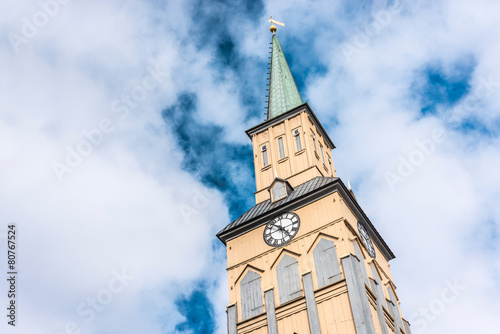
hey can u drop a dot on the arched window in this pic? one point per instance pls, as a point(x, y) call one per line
point(251, 295)
point(287, 271)
point(326, 263)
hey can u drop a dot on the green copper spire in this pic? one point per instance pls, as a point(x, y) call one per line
point(283, 92)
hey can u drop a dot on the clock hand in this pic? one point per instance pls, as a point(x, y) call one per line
point(277, 227)
point(286, 232)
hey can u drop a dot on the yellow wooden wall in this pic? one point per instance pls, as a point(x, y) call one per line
point(327, 217)
point(298, 166)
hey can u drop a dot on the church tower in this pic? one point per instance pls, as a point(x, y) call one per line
point(305, 258)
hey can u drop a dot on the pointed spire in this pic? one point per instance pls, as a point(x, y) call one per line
point(283, 92)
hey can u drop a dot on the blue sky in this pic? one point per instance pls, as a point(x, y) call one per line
point(124, 149)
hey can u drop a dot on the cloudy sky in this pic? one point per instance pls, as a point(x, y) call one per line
point(123, 151)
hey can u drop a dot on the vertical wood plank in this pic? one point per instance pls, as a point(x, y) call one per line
point(362, 265)
point(377, 289)
point(272, 323)
point(394, 309)
point(312, 308)
point(232, 319)
point(357, 296)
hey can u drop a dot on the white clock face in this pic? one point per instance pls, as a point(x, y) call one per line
point(281, 229)
point(366, 240)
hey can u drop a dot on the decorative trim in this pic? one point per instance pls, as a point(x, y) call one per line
point(380, 272)
point(324, 235)
point(293, 254)
point(245, 270)
point(297, 110)
point(300, 152)
point(291, 242)
point(266, 168)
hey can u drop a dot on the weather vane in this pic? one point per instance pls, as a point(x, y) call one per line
point(273, 27)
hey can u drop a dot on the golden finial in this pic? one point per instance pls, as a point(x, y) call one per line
point(273, 27)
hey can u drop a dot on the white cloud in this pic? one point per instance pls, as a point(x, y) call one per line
point(120, 207)
point(434, 220)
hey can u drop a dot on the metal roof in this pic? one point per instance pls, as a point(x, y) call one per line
point(264, 207)
point(318, 186)
point(283, 92)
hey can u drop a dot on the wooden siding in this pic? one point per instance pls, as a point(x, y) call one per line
point(327, 218)
point(295, 161)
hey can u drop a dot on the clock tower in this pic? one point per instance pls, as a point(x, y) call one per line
point(305, 258)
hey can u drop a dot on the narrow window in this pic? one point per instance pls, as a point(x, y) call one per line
point(288, 279)
point(280, 146)
point(322, 154)
point(314, 142)
point(326, 263)
point(263, 148)
point(296, 134)
point(251, 295)
point(331, 168)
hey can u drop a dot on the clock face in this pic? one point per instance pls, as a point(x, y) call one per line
point(281, 229)
point(366, 240)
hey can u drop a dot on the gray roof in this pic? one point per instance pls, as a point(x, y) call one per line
point(266, 206)
point(301, 195)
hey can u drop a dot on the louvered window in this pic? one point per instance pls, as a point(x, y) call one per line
point(287, 271)
point(251, 295)
point(326, 263)
point(279, 191)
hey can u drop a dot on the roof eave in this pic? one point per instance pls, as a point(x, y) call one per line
point(266, 124)
point(319, 192)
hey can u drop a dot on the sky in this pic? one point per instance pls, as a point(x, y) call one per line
point(123, 152)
